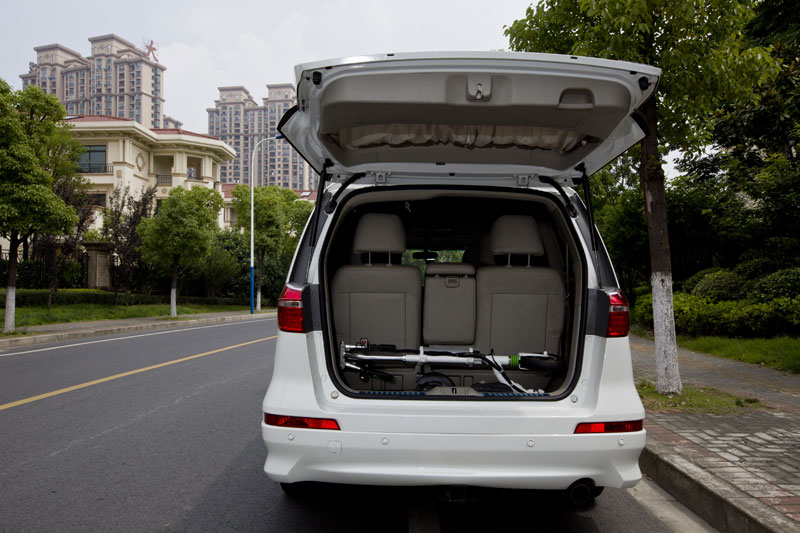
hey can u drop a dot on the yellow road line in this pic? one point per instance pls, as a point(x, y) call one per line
point(125, 374)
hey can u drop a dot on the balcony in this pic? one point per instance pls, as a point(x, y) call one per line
point(164, 179)
point(95, 169)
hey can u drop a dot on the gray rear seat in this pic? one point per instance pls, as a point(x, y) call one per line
point(380, 302)
point(520, 308)
point(449, 309)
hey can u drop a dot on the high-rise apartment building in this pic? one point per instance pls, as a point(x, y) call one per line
point(117, 79)
point(240, 122)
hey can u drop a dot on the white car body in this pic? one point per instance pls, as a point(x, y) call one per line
point(525, 443)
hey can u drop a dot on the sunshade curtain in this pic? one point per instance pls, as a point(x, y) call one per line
point(460, 135)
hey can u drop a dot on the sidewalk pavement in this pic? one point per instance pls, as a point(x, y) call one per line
point(65, 331)
point(740, 472)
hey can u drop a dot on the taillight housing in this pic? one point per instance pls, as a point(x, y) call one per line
point(300, 422)
point(609, 427)
point(290, 310)
point(619, 321)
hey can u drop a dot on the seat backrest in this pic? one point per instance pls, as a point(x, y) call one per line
point(379, 302)
point(449, 310)
point(520, 308)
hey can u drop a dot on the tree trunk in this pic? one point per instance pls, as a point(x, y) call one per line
point(55, 266)
point(173, 291)
point(11, 291)
point(668, 379)
point(258, 282)
point(113, 272)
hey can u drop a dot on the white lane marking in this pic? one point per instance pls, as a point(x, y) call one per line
point(136, 336)
point(672, 513)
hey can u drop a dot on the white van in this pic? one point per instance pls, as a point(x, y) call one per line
point(451, 316)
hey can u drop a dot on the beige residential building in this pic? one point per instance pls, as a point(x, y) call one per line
point(121, 152)
point(240, 122)
point(117, 79)
point(170, 122)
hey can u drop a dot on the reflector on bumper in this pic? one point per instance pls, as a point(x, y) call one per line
point(609, 427)
point(302, 422)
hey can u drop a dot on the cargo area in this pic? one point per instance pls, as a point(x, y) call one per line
point(471, 294)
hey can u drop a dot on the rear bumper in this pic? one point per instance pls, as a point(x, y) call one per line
point(551, 462)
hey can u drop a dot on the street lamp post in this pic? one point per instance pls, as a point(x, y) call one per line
point(252, 218)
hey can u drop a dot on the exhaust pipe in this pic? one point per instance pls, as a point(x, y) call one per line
point(581, 492)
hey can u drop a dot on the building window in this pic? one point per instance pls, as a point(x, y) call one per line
point(93, 160)
point(99, 199)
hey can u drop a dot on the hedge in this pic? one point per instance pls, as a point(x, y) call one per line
point(696, 316)
point(721, 286)
point(38, 297)
point(756, 268)
point(780, 284)
point(689, 284)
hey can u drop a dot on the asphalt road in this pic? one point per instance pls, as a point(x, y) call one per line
point(160, 431)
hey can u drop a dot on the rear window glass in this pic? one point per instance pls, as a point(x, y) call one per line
point(431, 256)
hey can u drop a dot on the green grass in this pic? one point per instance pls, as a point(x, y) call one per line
point(35, 315)
point(782, 353)
point(693, 400)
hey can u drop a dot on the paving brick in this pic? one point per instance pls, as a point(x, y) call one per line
point(756, 450)
point(761, 491)
point(785, 467)
point(769, 477)
point(792, 500)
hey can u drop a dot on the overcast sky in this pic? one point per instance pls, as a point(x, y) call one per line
point(205, 44)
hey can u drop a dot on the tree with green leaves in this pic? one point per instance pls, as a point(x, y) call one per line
point(220, 267)
point(57, 249)
point(122, 216)
point(270, 226)
point(699, 46)
point(759, 138)
point(180, 231)
point(297, 213)
point(29, 122)
point(749, 185)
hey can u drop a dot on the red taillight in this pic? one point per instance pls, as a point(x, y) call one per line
point(290, 310)
point(609, 427)
point(618, 315)
point(302, 422)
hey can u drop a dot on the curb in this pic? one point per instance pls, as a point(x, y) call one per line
point(44, 338)
point(716, 501)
